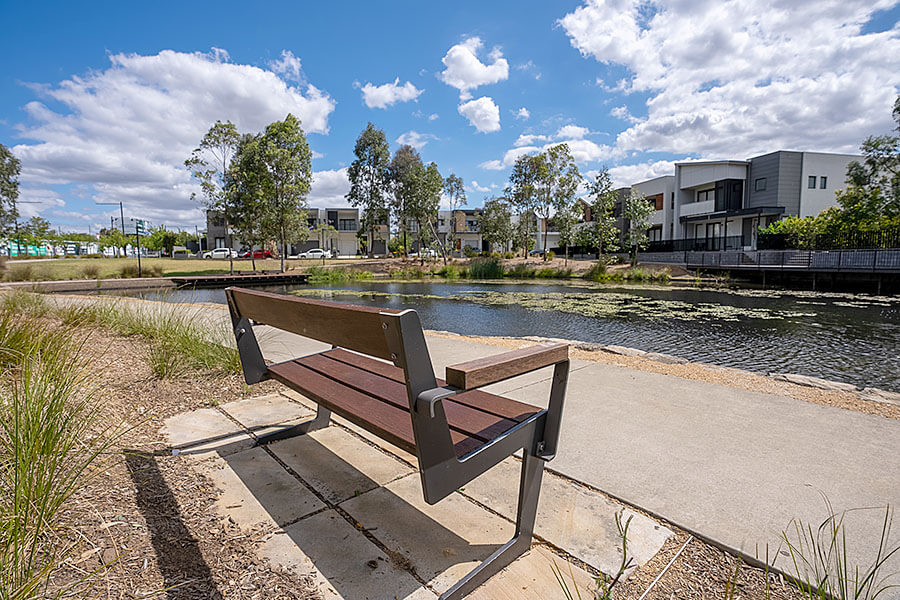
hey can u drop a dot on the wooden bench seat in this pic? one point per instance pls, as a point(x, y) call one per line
point(455, 431)
point(372, 394)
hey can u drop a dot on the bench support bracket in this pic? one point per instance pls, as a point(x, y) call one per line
point(529, 492)
point(323, 417)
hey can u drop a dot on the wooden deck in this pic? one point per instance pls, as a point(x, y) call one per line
point(244, 279)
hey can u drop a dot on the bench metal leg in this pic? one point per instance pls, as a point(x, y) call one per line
point(529, 492)
point(323, 417)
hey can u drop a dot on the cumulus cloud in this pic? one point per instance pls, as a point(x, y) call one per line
point(465, 71)
point(572, 132)
point(127, 130)
point(329, 189)
point(288, 66)
point(626, 175)
point(482, 114)
point(474, 186)
point(415, 139)
point(523, 114)
point(529, 139)
point(388, 94)
point(584, 151)
point(742, 77)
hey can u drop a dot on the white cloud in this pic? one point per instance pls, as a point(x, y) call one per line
point(382, 96)
point(475, 187)
point(288, 66)
point(127, 130)
point(572, 132)
point(622, 112)
point(742, 77)
point(466, 72)
point(529, 139)
point(627, 175)
point(329, 189)
point(415, 139)
point(482, 114)
point(523, 114)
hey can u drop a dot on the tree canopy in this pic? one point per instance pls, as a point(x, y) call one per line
point(370, 180)
point(10, 168)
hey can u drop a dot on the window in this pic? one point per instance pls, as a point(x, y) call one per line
point(760, 185)
point(347, 225)
point(812, 182)
point(657, 201)
point(672, 202)
point(823, 182)
point(220, 242)
point(705, 195)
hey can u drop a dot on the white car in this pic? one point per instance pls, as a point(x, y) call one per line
point(427, 253)
point(220, 253)
point(315, 253)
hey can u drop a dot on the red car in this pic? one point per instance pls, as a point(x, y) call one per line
point(256, 254)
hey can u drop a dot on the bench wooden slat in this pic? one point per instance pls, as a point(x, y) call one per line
point(477, 399)
point(466, 420)
point(346, 325)
point(491, 369)
point(385, 420)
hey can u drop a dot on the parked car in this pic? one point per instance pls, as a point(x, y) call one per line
point(262, 253)
point(427, 253)
point(220, 253)
point(315, 253)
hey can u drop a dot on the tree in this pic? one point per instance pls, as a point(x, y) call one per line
point(455, 190)
point(284, 181)
point(243, 200)
point(637, 211)
point(426, 202)
point(600, 231)
point(522, 194)
point(208, 164)
point(566, 221)
point(495, 222)
point(324, 234)
point(114, 238)
point(160, 239)
point(36, 229)
point(370, 180)
point(404, 168)
point(557, 183)
point(10, 168)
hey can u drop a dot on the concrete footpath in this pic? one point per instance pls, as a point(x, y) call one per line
point(734, 466)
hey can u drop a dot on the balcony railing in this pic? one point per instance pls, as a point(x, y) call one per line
point(732, 242)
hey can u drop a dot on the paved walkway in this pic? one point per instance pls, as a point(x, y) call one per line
point(732, 465)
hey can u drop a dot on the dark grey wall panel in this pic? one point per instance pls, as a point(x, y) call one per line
point(763, 167)
point(789, 170)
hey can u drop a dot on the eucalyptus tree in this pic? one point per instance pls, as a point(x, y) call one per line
point(370, 180)
point(405, 166)
point(495, 223)
point(10, 169)
point(556, 184)
point(208, 164)
point(286, 176)
point(522, 194)
point(566, 221)
point(637, 211)
point(244, 189)
point(424, 208)
point(600, 231)
point(455, 191)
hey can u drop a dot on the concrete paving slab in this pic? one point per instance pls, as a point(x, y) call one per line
point(572, 517)
point(257, 490)
point(443, 542)
point(260, 411)
point(531, 577)
point(205, 430)
point(337, 464)
point(342, 560)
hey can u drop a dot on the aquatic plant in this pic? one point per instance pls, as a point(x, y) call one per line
point(485, 268)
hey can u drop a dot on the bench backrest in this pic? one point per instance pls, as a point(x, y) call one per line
point(349, 326)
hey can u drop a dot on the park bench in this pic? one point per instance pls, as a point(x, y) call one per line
point(456, 431)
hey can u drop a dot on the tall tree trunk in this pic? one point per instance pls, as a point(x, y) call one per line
point(283, 247)
point(228, 244)
point(371, 244)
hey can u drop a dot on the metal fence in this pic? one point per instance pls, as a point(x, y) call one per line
point(732, 242)
point(800, 260)
point(887, 238)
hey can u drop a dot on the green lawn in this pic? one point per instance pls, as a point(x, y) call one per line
point(106, 268)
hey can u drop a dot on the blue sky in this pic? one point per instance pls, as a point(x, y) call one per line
point(103, 102)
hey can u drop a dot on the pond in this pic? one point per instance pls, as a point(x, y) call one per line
point(842, 337)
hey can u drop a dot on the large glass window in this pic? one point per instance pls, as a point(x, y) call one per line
point(812, 182)
point(347, 225)
point(760, 184)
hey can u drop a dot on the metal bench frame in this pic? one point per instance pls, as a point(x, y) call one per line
point(440, 470)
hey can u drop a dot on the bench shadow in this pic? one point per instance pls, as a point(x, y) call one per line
point(186, 575)
point(417, 543)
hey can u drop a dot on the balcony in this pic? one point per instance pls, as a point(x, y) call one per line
point(697, 208)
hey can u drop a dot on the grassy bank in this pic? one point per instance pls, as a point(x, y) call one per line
point(110, 268)
point(494, 268)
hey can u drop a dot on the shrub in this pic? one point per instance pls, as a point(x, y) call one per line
point(485, 268)
point(469, 252)
point(128, 271)
point(20, 273)
point(90, 271)
point(549, 273)
point(551, 254)
point(24, 303)
point(639, 274)
point(335, 275)
point(154, 270)
point(451, 271)
point(509, 255)
point(521, 271)
point(597, 272)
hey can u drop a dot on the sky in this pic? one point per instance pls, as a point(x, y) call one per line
point(103, 101)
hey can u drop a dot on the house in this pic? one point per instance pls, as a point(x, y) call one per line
point(466, 231)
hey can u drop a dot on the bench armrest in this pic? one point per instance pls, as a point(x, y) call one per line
point(484, 371)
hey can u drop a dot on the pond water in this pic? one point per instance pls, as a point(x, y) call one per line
point(843, 337)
